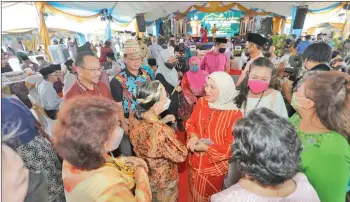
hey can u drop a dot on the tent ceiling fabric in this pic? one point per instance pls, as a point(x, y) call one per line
point(155, 10)
point(127, 10)
point(152, 10)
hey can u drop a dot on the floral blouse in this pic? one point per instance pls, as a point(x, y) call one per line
point(157, 144)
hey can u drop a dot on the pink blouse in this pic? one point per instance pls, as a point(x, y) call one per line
point(304, 192)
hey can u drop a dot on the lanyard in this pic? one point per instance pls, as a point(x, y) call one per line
point(245, 106)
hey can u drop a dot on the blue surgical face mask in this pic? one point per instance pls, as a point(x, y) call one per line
point(194, 68)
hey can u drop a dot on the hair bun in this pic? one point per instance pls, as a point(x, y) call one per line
point(139, 111)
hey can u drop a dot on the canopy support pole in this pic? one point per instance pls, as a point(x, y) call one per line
point(43, 31)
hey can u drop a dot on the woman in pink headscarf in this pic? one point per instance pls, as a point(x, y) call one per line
point(193, 82)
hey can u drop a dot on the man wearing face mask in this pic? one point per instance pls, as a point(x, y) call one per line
point(216, 60)
point(254, 46)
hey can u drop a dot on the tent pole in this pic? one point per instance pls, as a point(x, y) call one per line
point(43, 31)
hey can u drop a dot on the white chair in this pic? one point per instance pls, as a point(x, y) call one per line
point(14, 64)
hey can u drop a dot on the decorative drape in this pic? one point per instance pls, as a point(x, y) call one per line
point(158, 26)
point(277, 24)
point(346, 28)
point(216, 7)
point(43, 32)
point(108, 31)
point(77, 18)
point(328, 9)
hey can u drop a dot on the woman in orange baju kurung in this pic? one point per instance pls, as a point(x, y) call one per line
point(210, 137)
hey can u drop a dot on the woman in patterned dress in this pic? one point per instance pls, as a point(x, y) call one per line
point(84, 133)
point(322, 122)
point(156, 142)
point(35, 150)
point(210, 136)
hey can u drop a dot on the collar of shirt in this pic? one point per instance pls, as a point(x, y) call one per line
point(128, 73)
point(46, 83)
point(83, 88)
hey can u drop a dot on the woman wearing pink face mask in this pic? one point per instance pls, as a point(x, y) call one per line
point(258, 89)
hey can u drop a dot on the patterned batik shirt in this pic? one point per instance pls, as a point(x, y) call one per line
point(124, 86)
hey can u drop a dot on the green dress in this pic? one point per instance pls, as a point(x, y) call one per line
point(325, 160)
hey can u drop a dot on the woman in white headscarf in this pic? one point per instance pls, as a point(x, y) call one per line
point(210, 136)
point(168, 76)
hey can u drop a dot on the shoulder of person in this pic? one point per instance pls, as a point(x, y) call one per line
point(202, 101)
point(233, 193)
point(71, 92)
point(117, 80)
point(159, 76)
point(277, 94)
point(102, 85)
point(337, 144)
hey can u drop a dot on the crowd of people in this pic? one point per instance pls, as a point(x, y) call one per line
point(275, 132)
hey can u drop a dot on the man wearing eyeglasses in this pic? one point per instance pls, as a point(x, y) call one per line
point(88, 81)
point(123, 86)
point(48, 97)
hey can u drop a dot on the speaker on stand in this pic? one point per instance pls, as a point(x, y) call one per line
point(140, 20)
point(300, 17)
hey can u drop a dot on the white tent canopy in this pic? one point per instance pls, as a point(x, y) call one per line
point(23, 14)
point(155, 10)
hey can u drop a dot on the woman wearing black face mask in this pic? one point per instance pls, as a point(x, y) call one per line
point(168, 76)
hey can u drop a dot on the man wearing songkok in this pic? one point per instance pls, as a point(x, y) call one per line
point(216, 59)
point(48, 97)
point(254, 46)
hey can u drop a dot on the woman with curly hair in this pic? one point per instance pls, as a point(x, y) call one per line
point(85, 131)
point(267, 150)
point(259, 89)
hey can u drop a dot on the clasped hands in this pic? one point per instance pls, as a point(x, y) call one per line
point(194, 145)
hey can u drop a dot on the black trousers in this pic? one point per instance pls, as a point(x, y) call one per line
point(51, 114)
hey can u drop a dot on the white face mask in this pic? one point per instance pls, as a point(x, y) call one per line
point(118, 140)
